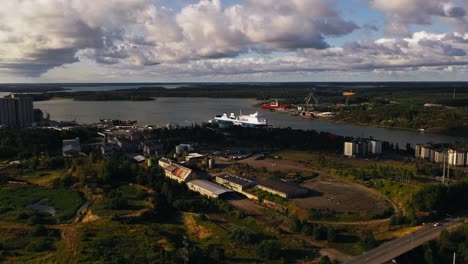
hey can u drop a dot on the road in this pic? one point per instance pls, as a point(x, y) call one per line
point(397, 247)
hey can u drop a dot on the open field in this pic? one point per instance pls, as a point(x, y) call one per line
point(329, 193)
point(42, 178)
point(15, 198)
point(276, 164)
point(341, 196)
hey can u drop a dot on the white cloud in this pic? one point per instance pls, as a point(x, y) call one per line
point(401, 14)
point(36, 36)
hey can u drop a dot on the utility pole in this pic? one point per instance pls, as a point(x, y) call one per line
point(454, 257)
point(443, 173)
point(448, 173)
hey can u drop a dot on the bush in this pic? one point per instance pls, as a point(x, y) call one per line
point(325, 260)
point(331, 234)
point(319, 233)
point(368, 241)
point(38, 230)
point(269, 249)
point(39, 245)
point(242, 235)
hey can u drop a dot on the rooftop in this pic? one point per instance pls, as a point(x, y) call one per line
point(179, 171)
point(236, 179)
point(209, 186)
point(195, 155)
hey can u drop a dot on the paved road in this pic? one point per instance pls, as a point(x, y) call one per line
point(397, 247)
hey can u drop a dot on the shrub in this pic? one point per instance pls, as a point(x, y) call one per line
point(38, 230)
point(242, 235)
point(39, 245)
point(269, 249)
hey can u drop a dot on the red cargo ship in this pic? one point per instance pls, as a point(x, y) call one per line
point(275, 105)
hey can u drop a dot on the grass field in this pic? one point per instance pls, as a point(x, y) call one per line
point(107, 241)
point(135, 199)
point(22, 243)
point(14, 198)
point(42, 178)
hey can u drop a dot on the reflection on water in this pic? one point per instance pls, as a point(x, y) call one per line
point(187, 111)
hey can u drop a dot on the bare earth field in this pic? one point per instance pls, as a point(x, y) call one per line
point(341, 196)
point(276, 164)
point(329, 192)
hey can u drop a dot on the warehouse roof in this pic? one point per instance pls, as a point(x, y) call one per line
point(209, 186)
point(236, 179)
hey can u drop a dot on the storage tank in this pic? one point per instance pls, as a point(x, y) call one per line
point(179, 149)
point(211, 163)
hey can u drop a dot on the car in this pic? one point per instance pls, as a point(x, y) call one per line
point(437, 224)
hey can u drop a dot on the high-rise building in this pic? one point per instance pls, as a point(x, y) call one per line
point(16, 111)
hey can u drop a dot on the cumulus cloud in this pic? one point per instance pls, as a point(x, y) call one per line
point(401, 14)
point(421, 51)
point(207, 37)
point(36, 36)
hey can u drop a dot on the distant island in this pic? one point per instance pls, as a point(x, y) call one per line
point(440, 107)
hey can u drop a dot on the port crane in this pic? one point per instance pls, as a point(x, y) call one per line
point(310, 96)
point(348, 95)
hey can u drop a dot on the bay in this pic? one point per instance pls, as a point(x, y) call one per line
point(188, 111)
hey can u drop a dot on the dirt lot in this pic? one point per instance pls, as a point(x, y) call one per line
point(249, 207)
point(329, 192)
point(276, 164)
point(341, 196)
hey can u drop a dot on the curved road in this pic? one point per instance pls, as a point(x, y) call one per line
point(399, 246)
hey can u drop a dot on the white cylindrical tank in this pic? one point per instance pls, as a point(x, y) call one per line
point(211, 163)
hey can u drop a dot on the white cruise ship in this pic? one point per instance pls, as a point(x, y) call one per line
point(252, 120)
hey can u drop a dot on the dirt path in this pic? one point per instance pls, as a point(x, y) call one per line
point(14, 225)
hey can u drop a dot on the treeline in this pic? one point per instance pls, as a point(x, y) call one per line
point(378, 172)
point(442, 198)
point(271, 138)
point(441, 251)
point(408, 116)
point(26, 143)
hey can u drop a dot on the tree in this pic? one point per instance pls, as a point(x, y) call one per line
point(331, 234)
point(295, 224)
point(269, 249)
point(368, 240)
point(242, 235)
point(325, 260)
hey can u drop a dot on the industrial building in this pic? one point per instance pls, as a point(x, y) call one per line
point(151, 148)
point(435, 153)
point(362, 147)
point(16, 111)
point(179, 173)
point(457, 157)
point(350, 149)
point(234, 182)
point(423, 151)
point(282, 188)
point(438, 156)
point(71, 147)
point(208, 188)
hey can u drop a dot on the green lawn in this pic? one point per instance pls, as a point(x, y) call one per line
point(14, 199)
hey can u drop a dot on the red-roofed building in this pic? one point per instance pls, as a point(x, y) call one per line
point(179, 173)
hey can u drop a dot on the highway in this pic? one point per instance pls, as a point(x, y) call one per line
point(399, 246)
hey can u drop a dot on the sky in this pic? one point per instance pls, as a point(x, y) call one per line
point(233, 40)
